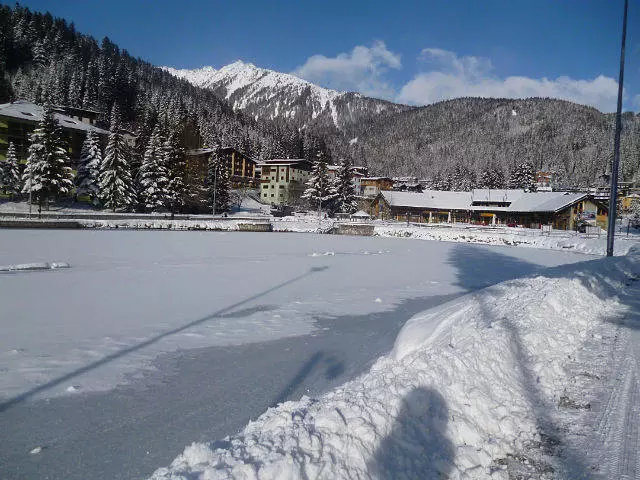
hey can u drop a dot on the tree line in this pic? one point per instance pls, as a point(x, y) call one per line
point(109, 180)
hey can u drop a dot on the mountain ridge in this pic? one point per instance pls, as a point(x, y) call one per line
point(272, 95)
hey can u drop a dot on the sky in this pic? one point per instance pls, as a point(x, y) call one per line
point(414, 52)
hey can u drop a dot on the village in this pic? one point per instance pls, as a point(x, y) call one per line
point(282, 183)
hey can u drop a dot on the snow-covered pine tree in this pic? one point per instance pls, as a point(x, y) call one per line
point(176, 162)
point(86, 180)
point(523, 176)
point(48, 173)
point(320, 190)
point(491, 177)
point(345, 192)
point(218, 179)
point(115, 178)
point(154, 175)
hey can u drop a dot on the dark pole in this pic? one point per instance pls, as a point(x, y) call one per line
point(613, 198)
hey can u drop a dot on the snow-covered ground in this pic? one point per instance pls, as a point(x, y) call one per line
point(161, 338)
point(495, 384)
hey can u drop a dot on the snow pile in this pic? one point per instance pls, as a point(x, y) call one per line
point(33, 266)
point(521, 237)
point(470, 386)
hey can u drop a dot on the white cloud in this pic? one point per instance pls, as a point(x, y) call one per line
point(361, 70)
point(452, 76)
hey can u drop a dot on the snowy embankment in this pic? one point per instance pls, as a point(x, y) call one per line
point(22, 267)
point(474, 388)
point(521, 237)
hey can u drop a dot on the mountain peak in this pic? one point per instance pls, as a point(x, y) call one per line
point(264, 93)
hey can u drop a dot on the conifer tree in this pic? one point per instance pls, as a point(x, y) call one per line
point(176, 162)
point(523, 176)
point(48, 173)
point(344, 189)
point(154, 175)
point(218, 179)
point(491, 177)
point(86, 180)
point(10, 174)
point(115, 178)
point(320, 190)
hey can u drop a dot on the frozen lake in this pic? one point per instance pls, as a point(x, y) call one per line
point(151, 340)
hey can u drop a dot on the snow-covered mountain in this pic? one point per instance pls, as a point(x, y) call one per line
point(266, 94)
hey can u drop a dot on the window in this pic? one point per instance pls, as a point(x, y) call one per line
point(273, 195)
point(281, 187)
point(265, 186)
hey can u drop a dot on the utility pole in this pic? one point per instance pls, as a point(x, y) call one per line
point(613, 198)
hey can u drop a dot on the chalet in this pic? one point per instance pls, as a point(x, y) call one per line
point(282, 181)
point(372, 186)
point(18, 119)
point(242, 169)
point(563, 210)
point(407, 184)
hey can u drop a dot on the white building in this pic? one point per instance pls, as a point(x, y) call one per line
point(282, 181)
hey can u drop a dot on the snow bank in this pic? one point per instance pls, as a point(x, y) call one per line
point(469, 385)
point(521, 237)
point(33, 266)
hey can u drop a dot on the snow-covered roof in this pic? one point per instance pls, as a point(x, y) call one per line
point(284, 161)
point(376, 178)
point(433, 199)
point(200, 151)
point(361, 214)
point(445, 200)
point(495, 195)
point(545, 201)
point(31, 112)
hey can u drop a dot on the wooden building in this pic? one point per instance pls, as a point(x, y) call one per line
point(562, 210)
point(372, 186)
point(18, 119)
point(242, 169)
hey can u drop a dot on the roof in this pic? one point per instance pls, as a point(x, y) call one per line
point(432, 199)
point(285, 161)
point(496, 195)
point(361, 214)
point(545, 201)
point(200, 151)
point(34, 113)
point(376, 178)
point(445, 200)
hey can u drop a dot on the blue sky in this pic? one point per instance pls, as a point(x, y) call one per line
point(409, 51)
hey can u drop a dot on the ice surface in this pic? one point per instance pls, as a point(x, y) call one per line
point(471, 387)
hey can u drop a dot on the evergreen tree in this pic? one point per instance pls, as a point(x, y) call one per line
point(491, 177)
point(154, 175)
point(218, 179)
point(523, 176)
point(176, 161)
point(48, 173)
point(345, 201)
point(10, 172)
point(86, 180)
point(115, 178)
point(320, 190)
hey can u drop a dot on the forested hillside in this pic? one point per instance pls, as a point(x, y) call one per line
point(479, 134)
point(44, 59)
